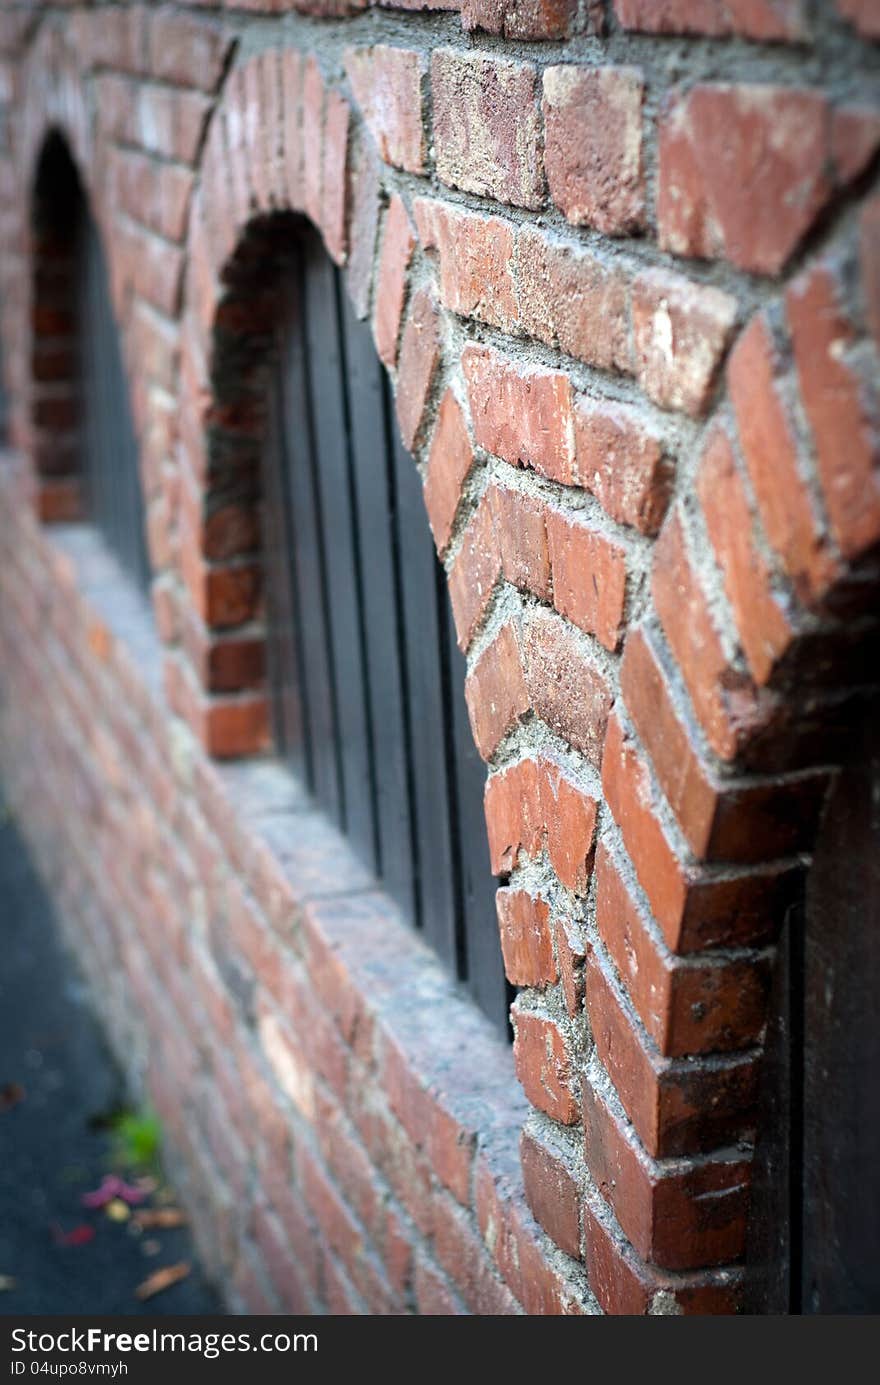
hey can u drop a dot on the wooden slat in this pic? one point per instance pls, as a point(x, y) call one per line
point(429, 739)
point(316, 683)
point(325, 366)
point(372, 469)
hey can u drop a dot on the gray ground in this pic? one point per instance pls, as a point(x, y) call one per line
point(52, 1145)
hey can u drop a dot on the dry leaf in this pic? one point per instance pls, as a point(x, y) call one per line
point(159, 1218)
point(11, 1093)
point(162, 1279)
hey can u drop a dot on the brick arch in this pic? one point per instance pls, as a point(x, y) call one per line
point(738, 686)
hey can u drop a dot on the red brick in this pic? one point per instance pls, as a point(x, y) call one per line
point(742, 172)
point(449, 462)
point(765, 630)
point(770, 450)
point(524, 924)
point(863, 16)
point(522, 415)
point(593, 146)
point(680, 1218)
point(551, 1189)
point(681, 331)
point(693, 909)
point(475, 255)
point(840, 407)
point(570, 298)
point(869, 247)
point(855, 138)
point(589, 576)
point(526, 19)
point(543, 1065)
point(620, 460)
point(398, 244)
point(521, 539)
point(681, 1106)
point(566, 687)
point(186, 50)
point(475, 573)
point(756, 19)
point(312, 136)
point(496, 691)
point(387, 85)
point(334, 182)
point(686, 1007)
point(487, 130)
point(533, 805)
point(571, 954)
point(728, 705)
point(419, 357)
point(727, 820)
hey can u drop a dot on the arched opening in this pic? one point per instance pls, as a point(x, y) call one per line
point(84, 443)
point(366, 683)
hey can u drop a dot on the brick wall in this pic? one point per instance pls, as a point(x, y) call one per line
point(621, 261)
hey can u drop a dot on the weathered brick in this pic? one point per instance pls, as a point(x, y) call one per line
point(770, 450)
point(680, 331)
point(527, 19)
point(566, 687)
point(841, 408)
point(476, 261)
point(589, 576)
point(718, 199)
point(387, 85)
point(869, 248)
point(764, 626)
point(398, 243)
point(417, 364)
point(523, 415)
point(681, 1217)
point(524, 925)
point(621, 460)
point(686, 1007)
point(727, 703)
point(570, 298)
point(449, 462)
point(593, 145)
point(862, 15)
point(756, 19)
point(487, 126)
point(533, 805)
point(496, 692)
point(543, 1064)
point(551, 1189)
point(678, 1106)
point(728, 820)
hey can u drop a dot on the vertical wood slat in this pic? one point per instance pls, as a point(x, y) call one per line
point(316, 683)
point(374, 502)
point(384, 733)
point(325, 367)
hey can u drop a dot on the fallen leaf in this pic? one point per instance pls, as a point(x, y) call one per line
point(7, 1282)
point(164, 1218)
point(79, 1236)
point(162, 1279)
point(113, 1187)
point(11, 1093)
point(117, 1210)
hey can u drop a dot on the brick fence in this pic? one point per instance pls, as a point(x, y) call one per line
point(621, 261)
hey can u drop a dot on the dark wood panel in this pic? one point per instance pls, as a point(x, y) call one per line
point(841, 1080)
point(326, 372)
point(380, 593)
